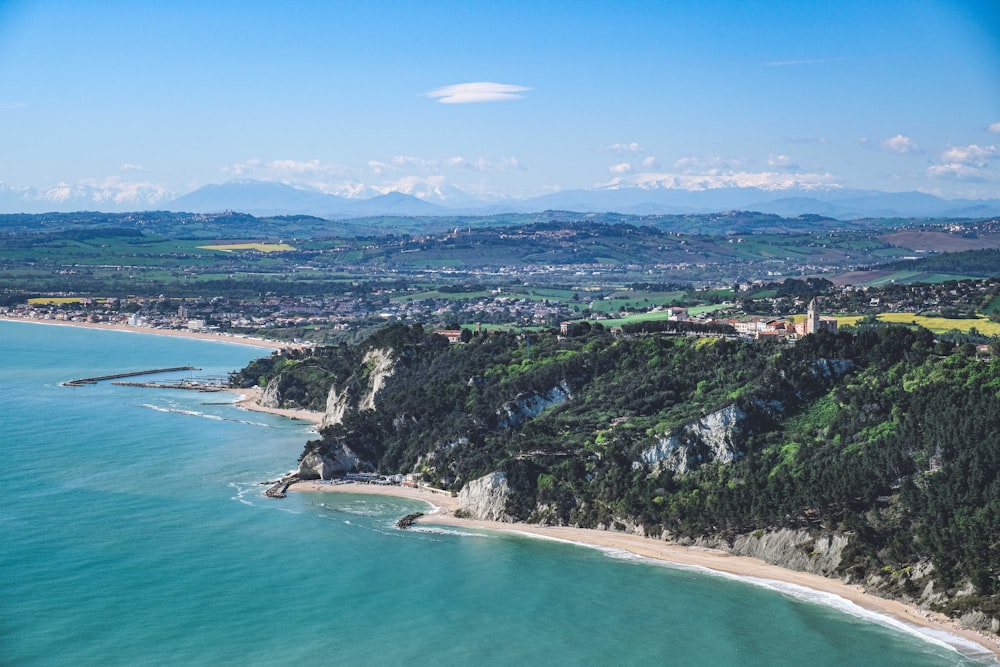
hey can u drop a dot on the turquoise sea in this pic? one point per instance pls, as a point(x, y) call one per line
point(133, 532)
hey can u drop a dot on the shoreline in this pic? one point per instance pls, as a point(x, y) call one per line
point(249, 399)
point(710, 560)
point(177, 333)
point(702, 558)
point(246, 399)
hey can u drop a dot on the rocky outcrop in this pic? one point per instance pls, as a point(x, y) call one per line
point(379, 367)
point(712, 438)
point(359, 391)
point(832, 369)
point(532, 404)
point(337, 404)
point(327, 464)
point(271, 398)
point(792, 549)
point(485, 499)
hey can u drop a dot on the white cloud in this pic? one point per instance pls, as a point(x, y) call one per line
point(702, 162)
point(111, 190)
point(482, 91)
point(650, 163)
point(900, 144)
point(419, 186)
point(715, 178)
point(283, 169)
point(954, 171)
point(300, 167)
point(622, 149)
point(972, 154)
point(128, 166)
point(410, 162)
point(807, 140)
point(621, 168)
point(313, 174)
point(994, 127)
point(966, 163)
point(779, 161)
point(509, 164)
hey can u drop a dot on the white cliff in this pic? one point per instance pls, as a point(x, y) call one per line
point(709, 439)
point(532, 404)
point(380, 367)
point(360, 390)
point(485, 499)
point(316, 465)
point(271, 396)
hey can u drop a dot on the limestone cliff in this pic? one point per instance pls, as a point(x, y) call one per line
point(712, 438)
point(531, 404)
point(360, 390)
point(271, 397)
point(379, 367)
point(485, 499)
point(793, 549)
point(326, 464)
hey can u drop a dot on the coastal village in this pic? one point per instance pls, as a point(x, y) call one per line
point(268, 316)
point(753, 310)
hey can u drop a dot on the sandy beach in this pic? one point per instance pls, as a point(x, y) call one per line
point(250, 400)
point(446, 504)
point(709, 559)
point(180, 333)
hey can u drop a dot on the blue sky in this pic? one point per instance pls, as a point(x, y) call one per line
point(151, 100)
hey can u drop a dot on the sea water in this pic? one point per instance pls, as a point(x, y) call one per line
point(133, 531)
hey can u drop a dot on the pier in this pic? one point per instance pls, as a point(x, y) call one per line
point(117, 376)
point(183, 384)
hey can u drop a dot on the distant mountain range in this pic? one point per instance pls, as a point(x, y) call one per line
point(265, 198)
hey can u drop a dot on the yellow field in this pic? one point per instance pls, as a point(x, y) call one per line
point(260, 247)
point(935, 324)
point(56, 300)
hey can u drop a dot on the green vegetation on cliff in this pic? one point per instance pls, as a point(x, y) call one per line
point(883, 434)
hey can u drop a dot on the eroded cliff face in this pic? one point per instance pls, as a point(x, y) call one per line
point(709, 439)
point(271, 397)
point(327, 464)
point(380, 367)
point(792, 549)
point(359, 391)
point(485, 498)
point(532, 404)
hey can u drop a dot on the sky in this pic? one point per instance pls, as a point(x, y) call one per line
point(147, 101)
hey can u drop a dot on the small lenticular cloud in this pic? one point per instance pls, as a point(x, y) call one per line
point(900, 144)
point(482, 91)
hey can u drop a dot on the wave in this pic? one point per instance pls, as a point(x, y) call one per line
point(204, 415)
point(938, 637)
point(247, 490)
point(434, 530)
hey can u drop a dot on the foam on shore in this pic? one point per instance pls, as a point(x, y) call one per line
point(939, 637)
